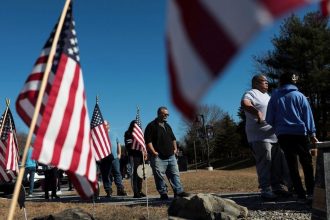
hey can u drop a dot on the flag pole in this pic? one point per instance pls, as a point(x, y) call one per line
point(143, 169)
point(37, 109)
point(5, 115)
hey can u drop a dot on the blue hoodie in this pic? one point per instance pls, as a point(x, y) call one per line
point(29, 162)
point(289, 112)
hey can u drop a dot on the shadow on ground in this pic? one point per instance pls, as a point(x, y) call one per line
point(253, 201)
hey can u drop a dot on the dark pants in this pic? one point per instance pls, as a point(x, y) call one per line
point(293, 146)
point(31, 171)
point(50, 181)
point(136, 181)
point(106, 164)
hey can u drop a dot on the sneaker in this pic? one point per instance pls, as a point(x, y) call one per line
point(30, 195)
point(268, 195)
point(121, 192)
point(282, 193)
point(182, 194)
point(163, 196)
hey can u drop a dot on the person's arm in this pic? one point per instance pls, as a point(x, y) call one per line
point(249, 107)
point(309, 121)
point(175, 147)
point(118, 150)
point(152, 149)
point(148, 140)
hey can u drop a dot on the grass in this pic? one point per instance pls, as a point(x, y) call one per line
point(202, 181)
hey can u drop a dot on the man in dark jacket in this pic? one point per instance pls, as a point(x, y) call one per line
point(161, 145)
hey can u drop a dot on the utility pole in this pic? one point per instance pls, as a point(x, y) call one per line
point(207, 132)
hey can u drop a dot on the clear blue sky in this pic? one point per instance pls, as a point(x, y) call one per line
point(122, 55)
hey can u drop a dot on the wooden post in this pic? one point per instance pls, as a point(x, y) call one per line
point(36, 110)
point(321, 197)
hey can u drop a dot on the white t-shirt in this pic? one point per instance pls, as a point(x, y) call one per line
point(255, 131)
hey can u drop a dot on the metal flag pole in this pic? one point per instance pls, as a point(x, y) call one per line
point(37, 109)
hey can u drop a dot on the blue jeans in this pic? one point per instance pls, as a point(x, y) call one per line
point(168, 167)
point(108, 165)
point(271, 169)
point(115, 175)
point(31, 171)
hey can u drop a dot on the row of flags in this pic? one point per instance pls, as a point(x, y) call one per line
point(202, 37)
point(64, 136)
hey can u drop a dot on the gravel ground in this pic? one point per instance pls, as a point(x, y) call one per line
point(282, 208)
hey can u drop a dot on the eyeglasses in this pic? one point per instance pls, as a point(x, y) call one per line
point(165, 114)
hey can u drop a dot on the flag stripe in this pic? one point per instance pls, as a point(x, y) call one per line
point(214, 45)
point(202, 37)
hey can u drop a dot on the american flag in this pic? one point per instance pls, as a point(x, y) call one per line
point(63, 137)
point(204, 35)
point(8, 149)
point(138, 137)
point(100, 138)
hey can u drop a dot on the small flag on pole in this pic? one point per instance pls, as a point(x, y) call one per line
point(138, 137)
point(9, 156)
point(100, 138)
point(63, 137)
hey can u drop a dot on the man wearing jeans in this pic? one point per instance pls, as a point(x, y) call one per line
point(261, 136)
point(111, 164)
point(161, 145)
point(30, 169)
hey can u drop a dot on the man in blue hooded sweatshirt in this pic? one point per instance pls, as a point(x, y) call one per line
point(290, 114)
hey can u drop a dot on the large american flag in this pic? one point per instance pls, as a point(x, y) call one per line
point(204, 35)
point(100, 138)
point(8, 149)
point(63, 137)
point(138, 137)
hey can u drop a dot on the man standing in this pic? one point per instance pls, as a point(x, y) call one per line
point(290, 114)
point(111, 164)
point(30, 169)
point(262, 139)
point(161, 145)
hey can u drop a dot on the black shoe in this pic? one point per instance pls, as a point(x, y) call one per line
point(282, 193)
point(142, 194)
point(182, 194)
point(108, 193)
point(137, 196)
point(55, 196)
point(121, 192)
point(163, 196)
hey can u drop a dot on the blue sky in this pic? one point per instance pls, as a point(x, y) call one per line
point(122, 55)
